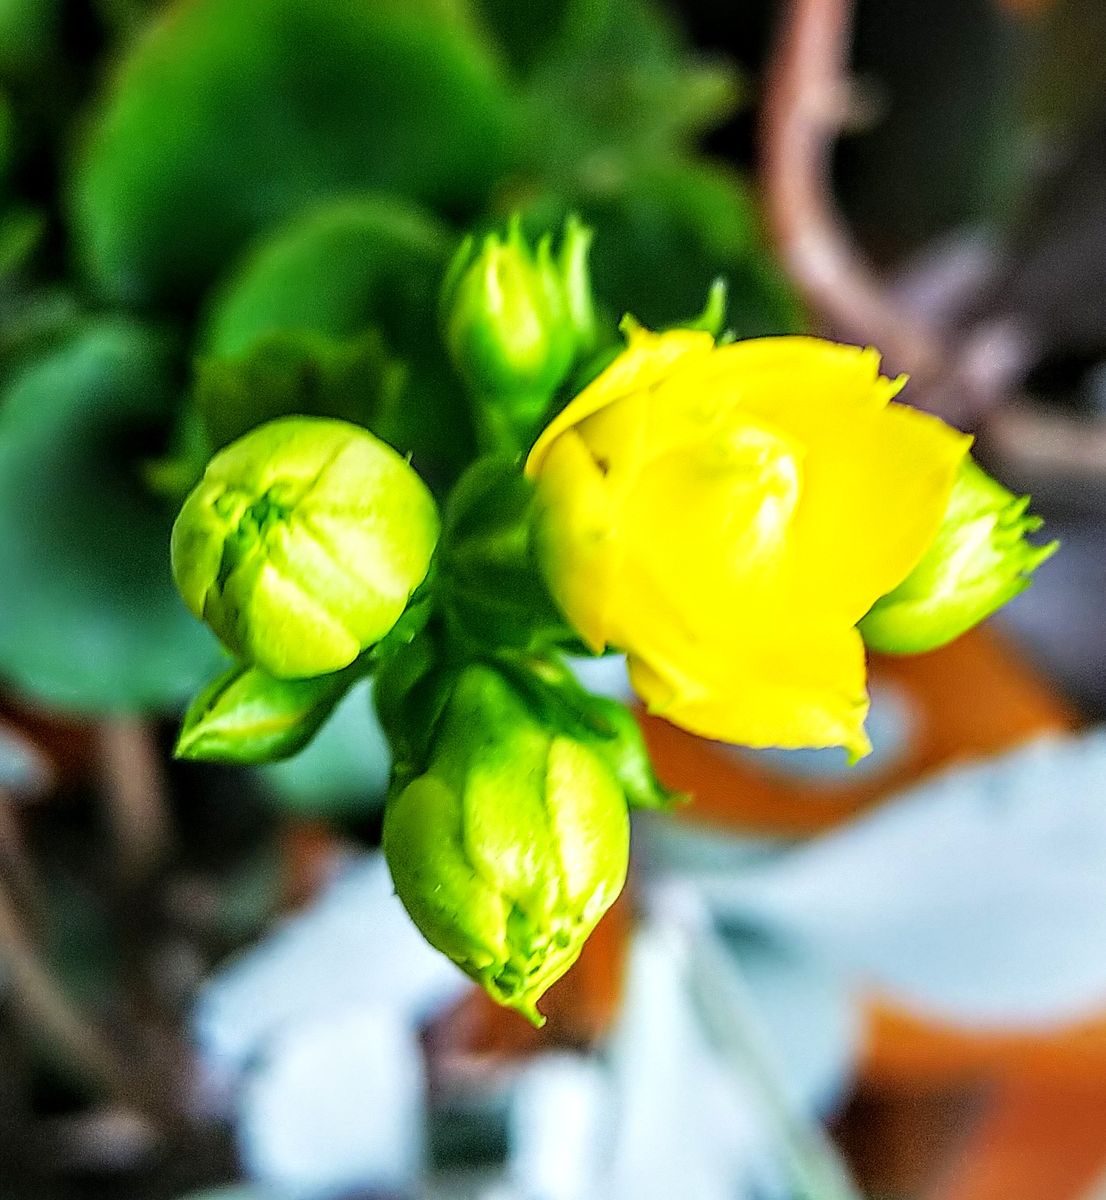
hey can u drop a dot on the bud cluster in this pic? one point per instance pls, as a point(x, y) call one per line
point(725, 514)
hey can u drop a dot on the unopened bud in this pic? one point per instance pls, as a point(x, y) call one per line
point(248, 717)
point(515, 321)
point(980, 559)
point(511, 846)
point(302, 544)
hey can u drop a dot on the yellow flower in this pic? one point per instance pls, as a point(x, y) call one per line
point(727, 514)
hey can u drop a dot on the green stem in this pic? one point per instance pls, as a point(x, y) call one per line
point(815, 1168)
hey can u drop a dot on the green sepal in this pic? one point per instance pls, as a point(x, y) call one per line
point(491, 588)
point(248, 717)
point(412, 685)
point(560, 702)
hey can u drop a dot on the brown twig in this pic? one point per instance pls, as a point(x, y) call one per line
point(135, 796)
point(15, 863)
point(48, 1012)
point(802, 113)
point(970, 376)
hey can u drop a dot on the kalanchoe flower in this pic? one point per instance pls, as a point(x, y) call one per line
point(302, 544)
point(246, 716)
point(980, 558)
point(511, 846)
point(727, 514)
point(515, 321)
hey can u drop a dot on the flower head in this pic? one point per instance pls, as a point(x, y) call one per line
point(727, 514)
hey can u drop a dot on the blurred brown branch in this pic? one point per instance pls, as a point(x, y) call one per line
point(969, 375)
point(804, 107)
point(134, 793)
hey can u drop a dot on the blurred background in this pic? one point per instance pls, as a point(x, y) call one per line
point(823, 983)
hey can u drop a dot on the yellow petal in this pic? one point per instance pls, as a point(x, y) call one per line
point(648, 358)
point(877, 475)
point(575, 531)
point(806, 688)
point(710, 523)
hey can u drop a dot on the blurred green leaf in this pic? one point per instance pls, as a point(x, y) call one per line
point(89, 618)
point(344, 269)
point(21, 232)
point(27, 32)
point(7, 140)
point(619, 76)
point(522, 31)
point(343, 772)
point(230, 115)
point(666, 228)
point(33, 322)
point(125, 18)
point(297, 372)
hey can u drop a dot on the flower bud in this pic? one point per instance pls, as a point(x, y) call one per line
point(248, 717)
point(511, 846)
point(302, 544)
point(515, 321)
point(979, 559)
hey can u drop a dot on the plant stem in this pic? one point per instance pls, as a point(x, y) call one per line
point(812, 1162)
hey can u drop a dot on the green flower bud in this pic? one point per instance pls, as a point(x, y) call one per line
point(248, 717)
point(978, 561)
point(515, 321)
point(302, 544)
point(511, 846)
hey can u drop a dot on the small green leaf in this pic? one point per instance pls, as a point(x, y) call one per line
point(248, 717)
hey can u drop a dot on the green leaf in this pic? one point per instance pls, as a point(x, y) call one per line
point(21, 232)
point(347, 267)
point(618, 75)
point(523, 31)
point(248, 717)
point(27, 32)
point(337, 269)
point(297, 372)
point(665, 230)
point(232, 115)
point(89, 617)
